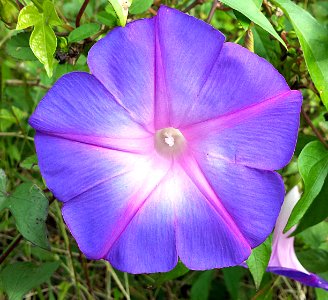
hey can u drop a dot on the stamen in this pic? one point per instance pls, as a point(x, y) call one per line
point(169, 142)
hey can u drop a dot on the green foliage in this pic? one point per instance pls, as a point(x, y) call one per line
point(18, 47)
point(232, 279)
point(3, 189)
point(8, 11)
point(120, 11)
point(313, 167)
point(19, 278)
point(83, 32)
point(61, 48)
point(258, 261)
point(314, 260)
point(140, 6)
point(29, 207)
point(201, 287)
point(313, 38)
point(177, 272)
point(43, 41)
point(251, 11)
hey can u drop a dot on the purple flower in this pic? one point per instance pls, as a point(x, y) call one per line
point(283, 260)
point(168, 148)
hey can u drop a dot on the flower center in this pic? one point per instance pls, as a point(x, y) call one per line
point(169, 142)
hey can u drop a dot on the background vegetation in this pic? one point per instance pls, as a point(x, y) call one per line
point(39, 258)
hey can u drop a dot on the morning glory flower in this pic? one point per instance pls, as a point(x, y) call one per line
point(283, 260)
point(167, 149)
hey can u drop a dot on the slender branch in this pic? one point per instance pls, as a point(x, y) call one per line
point(17, 82)
point(126, 281)
point(152, 11)
point(315, 130)
point(212, 11)
point(79, 15)
point(20, 5)
point(15, 134)
point(110, 269)
point(11, 247)
point(86, 271)
point(193, 4)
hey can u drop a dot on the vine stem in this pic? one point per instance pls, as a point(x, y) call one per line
point(15, 134)
point(315, 130)
point(79, 15)
point(70, 263)
point(111, 271)
point(11, 247)
point(212, 11)
point(193, 4)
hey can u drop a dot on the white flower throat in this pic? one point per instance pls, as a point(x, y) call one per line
point(169, 142)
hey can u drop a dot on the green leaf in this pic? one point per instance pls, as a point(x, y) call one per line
point(28, 16)
point(19, 278)
point(201, 287)
point(232, 278)
point(18, 47)
point(265, 47)
point(313, 38)
point(317, 212)
point(30, 163)
point(121, 12)
point(178, 271)
point(49, 14)
point(251, 11)
point(29, 207)
point(106, 18)
point(3, 190)
point(140, 6)
point(258, 261)
point(43, 43)
point(83, 32)
point(313, 167)
point(243, 20)
point(314, 260)
point(8, 11)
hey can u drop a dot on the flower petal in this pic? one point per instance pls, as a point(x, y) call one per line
point(71, 168)
point(283, 252)
point(178, 219)
point(238, 79)
point(206, 236)
point(98, 217)
point(304, 278)
point(124, 62)
point(261, 136)
point(79, 108)
point(252, 197)
point(148, 243)
point(183, 64)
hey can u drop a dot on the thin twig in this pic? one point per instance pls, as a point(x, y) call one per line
point(69, 260)
point(212, 11)
point(315, 130)
point(86, 271)
point(11, 247)
point(17, 82)
point(20, 5)
point(193, 4)
point(117, 280)
point(152, 11)
point(79, 15)
point(126, 281)
point(15, 134)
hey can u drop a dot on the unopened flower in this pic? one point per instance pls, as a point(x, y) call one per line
point(283, 259)
point(167, 149)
